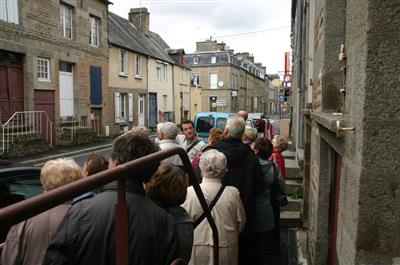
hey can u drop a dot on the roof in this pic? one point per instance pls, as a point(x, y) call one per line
point(124, 34)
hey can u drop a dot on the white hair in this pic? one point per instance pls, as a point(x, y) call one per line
point(235, 126)
point(213, 164)
point(169, 130)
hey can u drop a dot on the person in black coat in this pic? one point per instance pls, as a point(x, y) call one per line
point(244, 173)
point(87, 233)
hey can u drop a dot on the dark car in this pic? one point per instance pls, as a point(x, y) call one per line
point(17, 183)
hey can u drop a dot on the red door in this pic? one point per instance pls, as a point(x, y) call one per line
point(44, 101)
point(11, 85)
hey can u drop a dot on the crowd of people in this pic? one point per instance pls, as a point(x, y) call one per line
point(238, 173)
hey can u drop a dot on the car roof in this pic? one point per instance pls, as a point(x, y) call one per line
point(18, 171)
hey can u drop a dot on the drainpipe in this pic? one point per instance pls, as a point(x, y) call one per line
point(298, 71)
point(148, 94)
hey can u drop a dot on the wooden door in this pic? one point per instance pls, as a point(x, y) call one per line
point(45, 101)
point(152, 110)
point(141, 110)
point(66, 93)
point(11, 85)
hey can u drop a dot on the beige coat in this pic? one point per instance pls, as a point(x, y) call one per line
point(27, 241)
point(229, 217)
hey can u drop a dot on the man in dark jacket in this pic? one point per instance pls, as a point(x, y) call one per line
point(87, 233)
point(244, 173)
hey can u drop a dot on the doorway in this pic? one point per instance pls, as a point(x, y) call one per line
point(44, 101)
point(141, 110)
point(11, 84)
point(66, 84)
point(152, 110)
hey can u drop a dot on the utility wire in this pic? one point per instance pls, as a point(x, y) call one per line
point(239, 34)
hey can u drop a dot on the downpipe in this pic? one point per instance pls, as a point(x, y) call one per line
point(298, 74)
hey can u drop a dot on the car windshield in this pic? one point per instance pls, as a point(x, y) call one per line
point(204, 124)
point(221, 122)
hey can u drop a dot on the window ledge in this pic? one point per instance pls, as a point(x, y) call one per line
point(44, 80)
point(123, 75)
point(138, 77)
point(327, 119)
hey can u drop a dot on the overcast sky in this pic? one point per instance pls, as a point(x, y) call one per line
point(260, 27)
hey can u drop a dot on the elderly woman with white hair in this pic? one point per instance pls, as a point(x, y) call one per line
point(228, 212)
point(27, 241)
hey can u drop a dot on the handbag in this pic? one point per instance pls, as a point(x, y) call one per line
point(278, 196)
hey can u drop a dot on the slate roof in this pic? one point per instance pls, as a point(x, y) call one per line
point(124, 34)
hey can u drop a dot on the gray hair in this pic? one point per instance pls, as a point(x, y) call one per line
point(213, 164)
point(235, 126)
point(169, 130)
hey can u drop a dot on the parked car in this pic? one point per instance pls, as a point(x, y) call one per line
point(205, 121)
point(17, 183)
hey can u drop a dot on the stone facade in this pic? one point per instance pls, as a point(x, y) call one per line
point(351, 179)
point(37, 35)
point(237, 82)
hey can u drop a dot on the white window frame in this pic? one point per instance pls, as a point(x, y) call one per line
point(196, 79)
point(196, 60)
point(214, 59)
point(213, 85)
point(123, 63)
point(43, 69)
point(94, 31)
point(138, 64)
point(9, 11)
point(66, 12)
point(159, 71)
point(164, 71)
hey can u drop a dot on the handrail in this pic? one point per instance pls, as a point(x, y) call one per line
point(30, 207)
point(26, 123)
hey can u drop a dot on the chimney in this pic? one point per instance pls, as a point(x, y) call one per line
point(140, 17)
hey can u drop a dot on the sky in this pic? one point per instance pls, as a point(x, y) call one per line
point(260, 27)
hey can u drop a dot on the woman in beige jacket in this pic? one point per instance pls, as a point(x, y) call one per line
point(27, 241)
point(228, 213)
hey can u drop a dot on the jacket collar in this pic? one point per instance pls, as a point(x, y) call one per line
point(130, 186)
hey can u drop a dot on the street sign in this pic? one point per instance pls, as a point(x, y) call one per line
point(281, 97)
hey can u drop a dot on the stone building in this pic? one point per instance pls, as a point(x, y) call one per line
point(141, 74)
point(181, 85)
point(346, 70)
point(52, 56)
point(229, 81)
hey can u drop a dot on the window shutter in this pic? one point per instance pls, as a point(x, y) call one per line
point(130, 107)
point(3, 11)
point(117, 107)
point(95, 86)
point(12, 11)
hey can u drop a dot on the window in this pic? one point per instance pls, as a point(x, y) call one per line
point(158, 71)
point(195, 60)
point(66, 21)
point(213, 80)
point(123, 107)
point(123, 63)
point(195, 79)
point(165, 71)
point(43, 69)
point(213, 59)
point(9, 11)
point(94, 31)
point(138, 63)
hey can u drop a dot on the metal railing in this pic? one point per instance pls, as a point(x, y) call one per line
point(80, 119)
point(23, 210)
point(25, 124)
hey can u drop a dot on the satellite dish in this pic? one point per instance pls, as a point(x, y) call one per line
point(221, 83)
point(276, 82)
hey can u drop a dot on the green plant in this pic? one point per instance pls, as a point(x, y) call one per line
point(297, 193)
